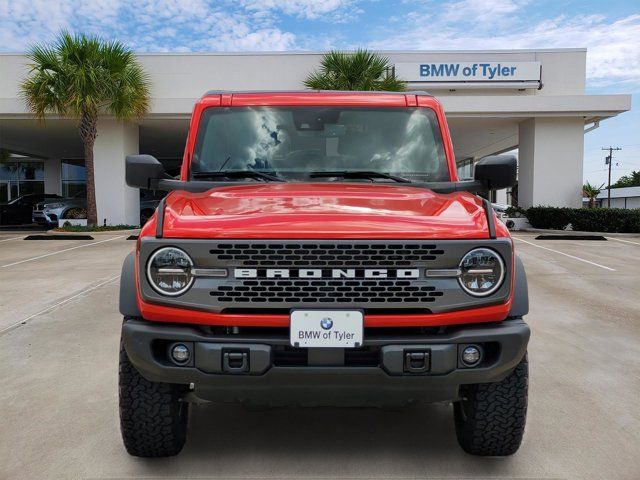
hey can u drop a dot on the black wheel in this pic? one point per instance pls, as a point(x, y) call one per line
point(490, 418)
point(145, 215)
point(153, 419)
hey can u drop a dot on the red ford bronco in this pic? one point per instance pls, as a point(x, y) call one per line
point(319, 249)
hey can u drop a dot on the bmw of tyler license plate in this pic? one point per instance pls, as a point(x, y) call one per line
point(327, 328)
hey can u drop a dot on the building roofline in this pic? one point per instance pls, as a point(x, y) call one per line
point(620, 192)
point(302, 91)
point(321, 52)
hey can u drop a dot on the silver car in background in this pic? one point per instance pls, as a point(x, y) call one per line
point(49, 213)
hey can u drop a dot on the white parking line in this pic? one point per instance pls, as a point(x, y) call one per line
point(566, 254)
point(8, 239)
point(59, 251)
point(51, 307)
point(620, 240)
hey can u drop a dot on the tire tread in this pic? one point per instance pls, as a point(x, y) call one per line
point(490, 420)
point(153, 419)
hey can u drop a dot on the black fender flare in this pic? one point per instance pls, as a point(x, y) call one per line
point(128, 301)
point(520, 305)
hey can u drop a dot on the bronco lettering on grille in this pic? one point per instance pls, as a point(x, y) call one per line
point(326, 273)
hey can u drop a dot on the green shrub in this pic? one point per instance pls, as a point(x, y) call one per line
point(516, 212)
point(554, 218)
point(606, 220)
point(609, 220)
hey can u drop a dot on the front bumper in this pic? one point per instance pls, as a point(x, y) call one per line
point(42, 218)
point(277, 374)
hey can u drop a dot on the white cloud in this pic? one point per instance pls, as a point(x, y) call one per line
point(233, 25)
point(309, 9)
point(23, 23)
point(480, 10)
point(146, 25)
point(613, 48)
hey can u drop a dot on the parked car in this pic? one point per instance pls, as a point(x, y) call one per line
point(501, 211)
point(18, 211)
point(48, 214)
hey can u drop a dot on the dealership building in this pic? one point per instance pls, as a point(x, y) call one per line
point(495, 101)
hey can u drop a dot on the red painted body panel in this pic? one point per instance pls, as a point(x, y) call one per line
point(322, 210)
point(161, 313)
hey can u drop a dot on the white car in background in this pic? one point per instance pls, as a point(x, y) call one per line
point(501, 211)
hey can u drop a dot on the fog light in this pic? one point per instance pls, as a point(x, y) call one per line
point(471, 355)
point(180, 353)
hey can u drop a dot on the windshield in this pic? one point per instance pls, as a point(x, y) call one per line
point(298, 143)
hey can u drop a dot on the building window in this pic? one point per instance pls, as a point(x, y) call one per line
point(20, 177)
point(465, 168)
point(74, 178)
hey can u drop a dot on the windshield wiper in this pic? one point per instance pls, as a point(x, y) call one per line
point(239, 174)
point(359, 174)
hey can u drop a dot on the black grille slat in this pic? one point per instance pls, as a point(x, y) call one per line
point(327, 255)
point(319, 292)
point(311, 291)
point(353, 357)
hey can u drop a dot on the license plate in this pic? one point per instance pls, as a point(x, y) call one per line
point(327, 328)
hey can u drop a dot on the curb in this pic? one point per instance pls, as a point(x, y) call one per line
point(133, 231)
point(578, 232)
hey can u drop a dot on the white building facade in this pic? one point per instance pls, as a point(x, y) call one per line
point(495, 101)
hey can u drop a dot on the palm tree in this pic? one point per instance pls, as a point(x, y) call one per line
point(591, 192)
point(83, 77)
point(362, 70)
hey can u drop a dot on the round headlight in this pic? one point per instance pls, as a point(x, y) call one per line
point(169, 271)
point(481, 272)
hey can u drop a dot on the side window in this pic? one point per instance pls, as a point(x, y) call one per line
point(30, 200)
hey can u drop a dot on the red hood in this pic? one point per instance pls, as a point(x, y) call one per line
point(323, 210)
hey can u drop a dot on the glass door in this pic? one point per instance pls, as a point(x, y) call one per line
point(5, 191)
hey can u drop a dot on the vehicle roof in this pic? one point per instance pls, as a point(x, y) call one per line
point(312, 92)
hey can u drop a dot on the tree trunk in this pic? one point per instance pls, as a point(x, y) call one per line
point(88, 133)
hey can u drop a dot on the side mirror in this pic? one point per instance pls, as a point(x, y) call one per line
point(141, 170)
point(496, 172)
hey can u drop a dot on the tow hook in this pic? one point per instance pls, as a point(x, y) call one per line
point(416, 362)
point(235, 361)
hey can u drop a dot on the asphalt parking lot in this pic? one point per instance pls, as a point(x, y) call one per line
point(59, 334)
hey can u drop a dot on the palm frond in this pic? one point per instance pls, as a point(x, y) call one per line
point(81, 75)
point(361, 70)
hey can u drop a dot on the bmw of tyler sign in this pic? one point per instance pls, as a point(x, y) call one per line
point(474, 72)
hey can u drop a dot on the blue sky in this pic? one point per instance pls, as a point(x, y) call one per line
point(610, 31)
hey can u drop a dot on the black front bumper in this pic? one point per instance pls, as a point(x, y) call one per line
point(262, 368)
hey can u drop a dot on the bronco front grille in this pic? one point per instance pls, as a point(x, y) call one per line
point(326, 291)
point(333, 255)
point(261, 290)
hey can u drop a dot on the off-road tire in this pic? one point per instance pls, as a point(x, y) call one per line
point(490, 418)
point(153, 419)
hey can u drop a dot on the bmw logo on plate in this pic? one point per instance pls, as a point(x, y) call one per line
point(326, 323)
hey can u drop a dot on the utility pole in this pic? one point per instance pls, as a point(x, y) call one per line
point(608, 161)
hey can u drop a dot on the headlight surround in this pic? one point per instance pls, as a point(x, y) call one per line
point(169, 271)
point(481, 272)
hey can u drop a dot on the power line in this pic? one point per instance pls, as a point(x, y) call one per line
point(608, 161)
